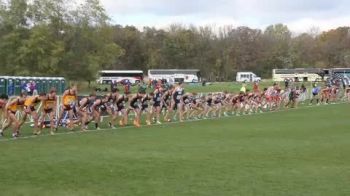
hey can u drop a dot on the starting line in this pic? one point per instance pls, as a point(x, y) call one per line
point(165, 123)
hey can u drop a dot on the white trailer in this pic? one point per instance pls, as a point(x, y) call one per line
point(175, 75)
point(247, 77)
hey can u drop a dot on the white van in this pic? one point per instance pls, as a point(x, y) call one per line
point(247, 77)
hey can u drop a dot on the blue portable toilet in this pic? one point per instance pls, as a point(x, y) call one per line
point(10, 86)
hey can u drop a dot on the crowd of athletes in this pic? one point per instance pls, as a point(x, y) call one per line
point(165, 103)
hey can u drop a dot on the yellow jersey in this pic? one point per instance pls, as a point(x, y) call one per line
point(31, 101)
point(14, 106)
point(49, 103)
point(69, 99)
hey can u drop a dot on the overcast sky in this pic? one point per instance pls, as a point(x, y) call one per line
point(299, 15)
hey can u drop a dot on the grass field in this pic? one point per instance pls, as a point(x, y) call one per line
point(298, 152)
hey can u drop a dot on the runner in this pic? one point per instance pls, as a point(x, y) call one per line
point(3, 116)
point(49, 103)
point(97, 108)
point(69, 100)
point(177, 102)
point(135, 106)
point(111, 107)
point(166, 103)
point(157, 105)
point(121, 110)
point(146, 98)
point(29, 109)
point(315, 94)
point(85, 110)
point(11, 108)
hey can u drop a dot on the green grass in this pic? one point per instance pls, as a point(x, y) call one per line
point(297, 152)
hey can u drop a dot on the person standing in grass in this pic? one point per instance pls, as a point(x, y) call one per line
point(11, 109)
point(347, 94)
point(177, 104)
point(142, 87)
point(112, 98)
point(243, 88)
point(157, 105)
point(326, 94)
point(97, 108)
point(49, 103)
point(3, 117)
point(29, 109)
point(256, 89)
point(121, 110)
point(167, 103)
point(136, 108)
point(84, 110)
point(293, 97)
point(208, 105)
point(315, 94)
point(144, 102)
point(303, 93)
point(69, 99)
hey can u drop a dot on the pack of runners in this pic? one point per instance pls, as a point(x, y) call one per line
point(163, 104)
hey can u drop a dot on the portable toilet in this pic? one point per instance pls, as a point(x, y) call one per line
point(11, 86)
point(62, 85)
point(24, 82)
point(18, 85)
point(3, 84)
point(45, 83)
point(56, 84)
point(38, 84)
point(50, 84)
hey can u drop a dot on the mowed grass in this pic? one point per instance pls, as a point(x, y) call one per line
point(297, 152)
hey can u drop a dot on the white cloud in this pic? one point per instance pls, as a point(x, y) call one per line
point(299, 15)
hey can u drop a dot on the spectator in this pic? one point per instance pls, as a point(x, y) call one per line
point(286, 83)
point(24, 88)
point(31, 88)
point(142, 88)
point(256, 88)
point(154, 83)
point(114, 85)
point(127, 86)
point(243, 88)
point(204, 82)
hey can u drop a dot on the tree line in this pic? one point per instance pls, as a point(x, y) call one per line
point(75, 39)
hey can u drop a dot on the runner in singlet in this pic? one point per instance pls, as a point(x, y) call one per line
point(208, 105)
point(166, 103)
point(186, 106)
point(315, 94)
point(146, 98)
point(49, 105)
point(177, 103)
point(121, 110)
point(3, 117)
point(84, 110)
point(157, 105)
point(11, 108)
point(111, 107)
point(97, 108)
point(135, 106)
point(69, 99)
point(30, 104)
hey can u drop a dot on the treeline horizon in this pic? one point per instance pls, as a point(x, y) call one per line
point(54, 38)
